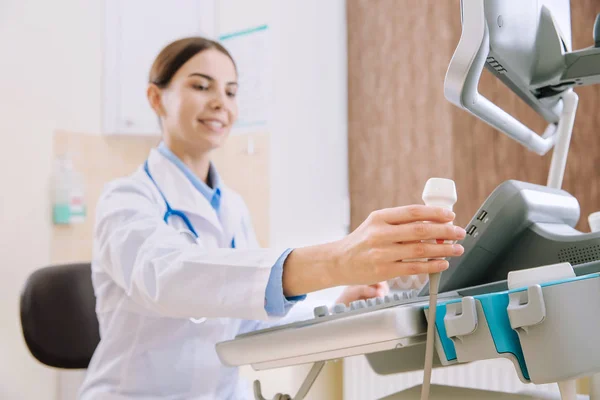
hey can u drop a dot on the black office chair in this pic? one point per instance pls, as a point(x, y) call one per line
point(58, 316)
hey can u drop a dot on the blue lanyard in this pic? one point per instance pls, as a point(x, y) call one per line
point(171, 212)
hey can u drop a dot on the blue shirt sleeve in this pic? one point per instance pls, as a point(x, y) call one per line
point(276, 304)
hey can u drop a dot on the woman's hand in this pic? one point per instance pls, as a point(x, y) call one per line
point(362, 292)
point(376, 251)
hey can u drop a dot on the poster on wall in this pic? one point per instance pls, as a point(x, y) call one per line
point(250, 50)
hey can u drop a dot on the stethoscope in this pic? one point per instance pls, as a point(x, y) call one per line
point(170, 212)
point(190, 232)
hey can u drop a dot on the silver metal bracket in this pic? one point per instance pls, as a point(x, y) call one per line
point(304, 388)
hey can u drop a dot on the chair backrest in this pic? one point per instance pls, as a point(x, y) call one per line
point(58, 316)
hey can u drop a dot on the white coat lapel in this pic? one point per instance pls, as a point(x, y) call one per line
point(231, 217)
point(179, 191)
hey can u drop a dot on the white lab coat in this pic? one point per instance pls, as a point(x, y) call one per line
point(150, 280)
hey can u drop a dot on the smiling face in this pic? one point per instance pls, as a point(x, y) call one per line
point(198, 106)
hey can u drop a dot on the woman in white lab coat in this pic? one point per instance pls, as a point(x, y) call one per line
point(177, 267)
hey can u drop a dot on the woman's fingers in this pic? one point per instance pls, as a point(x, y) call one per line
point(415, 232)
point(403, 251)
point(375, 250)
point(381, 288)
point(367, 292)
point(413, 213)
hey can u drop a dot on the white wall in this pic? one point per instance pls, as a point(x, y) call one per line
point(309, 192)
point(49, 78)
point(309, 174)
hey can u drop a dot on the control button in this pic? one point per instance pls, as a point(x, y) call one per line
point(339, 308)
point(321, 311)
point(355, 305)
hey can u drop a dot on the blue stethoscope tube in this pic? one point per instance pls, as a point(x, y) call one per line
point(170, 212)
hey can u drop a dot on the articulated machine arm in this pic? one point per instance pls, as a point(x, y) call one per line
point(525, 48)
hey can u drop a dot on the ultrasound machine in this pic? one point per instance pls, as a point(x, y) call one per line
point(527, 287)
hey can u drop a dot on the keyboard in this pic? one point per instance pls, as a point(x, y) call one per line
point(365, 326)
point(323, 313)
